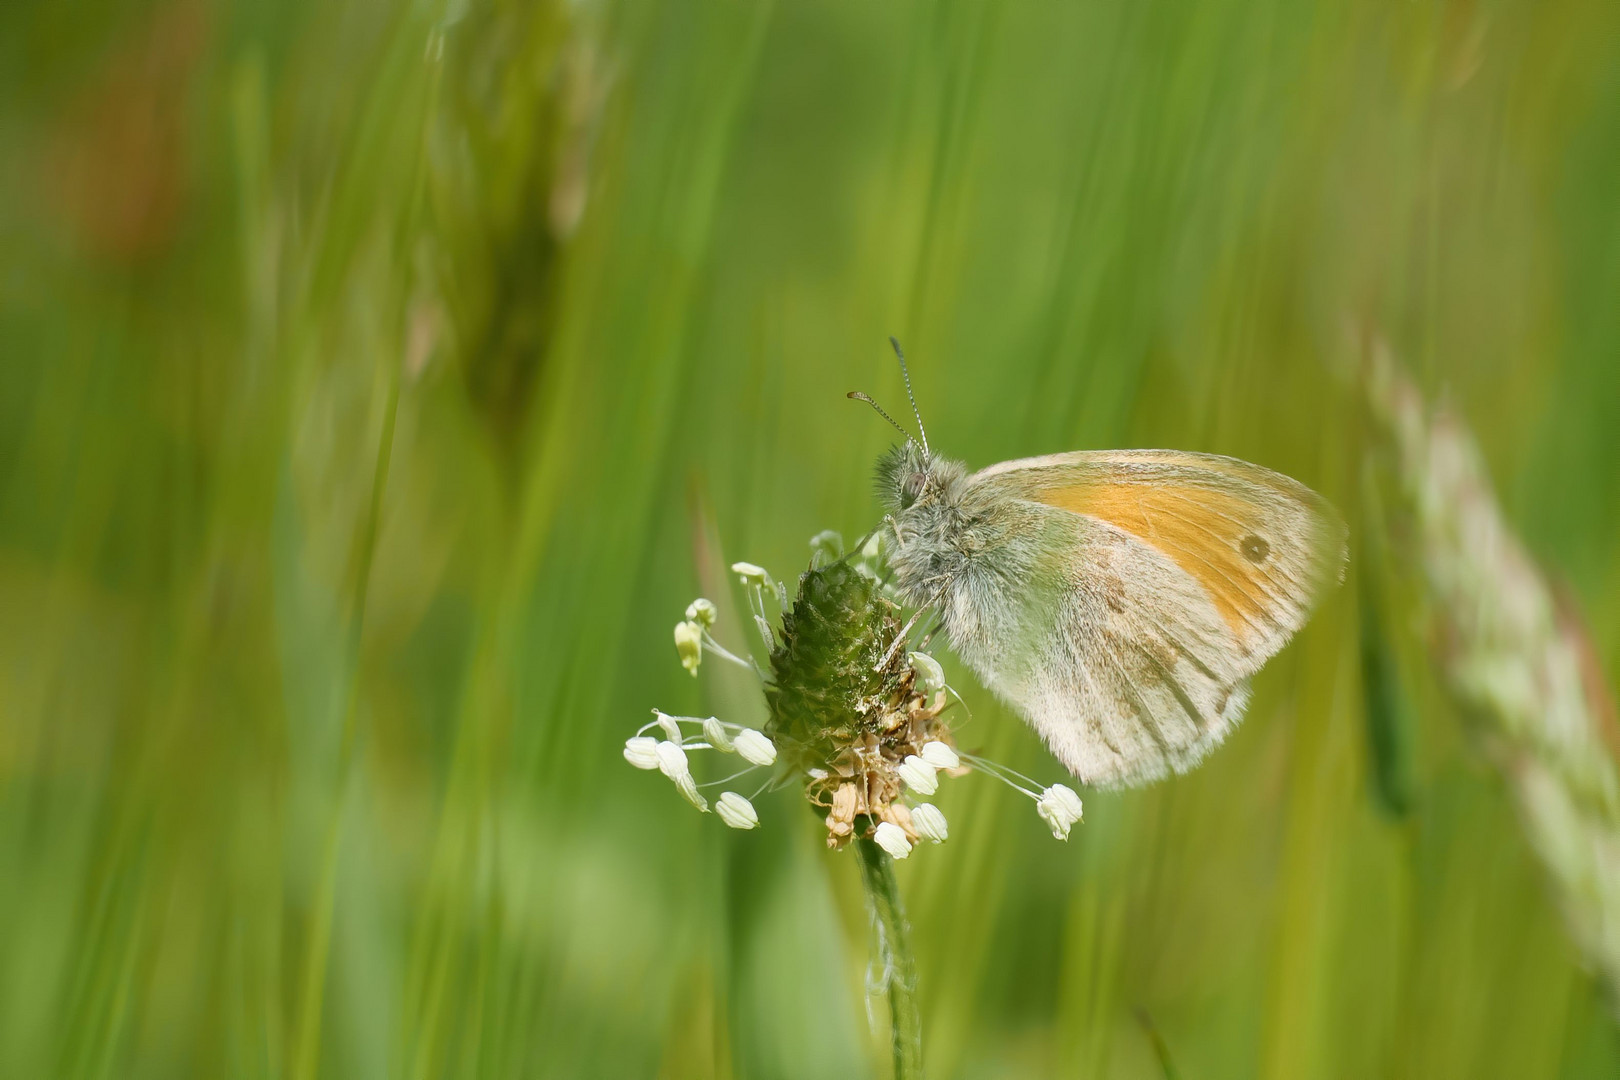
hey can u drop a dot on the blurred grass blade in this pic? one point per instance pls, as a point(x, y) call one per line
point(1511, 662)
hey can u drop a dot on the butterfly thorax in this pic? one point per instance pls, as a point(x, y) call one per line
point(964, 554)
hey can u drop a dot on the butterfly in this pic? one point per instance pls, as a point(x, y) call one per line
point(1119, 600)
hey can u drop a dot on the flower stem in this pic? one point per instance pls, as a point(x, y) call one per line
point(894, 953)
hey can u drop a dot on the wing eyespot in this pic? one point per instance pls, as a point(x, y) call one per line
point(1255, 548)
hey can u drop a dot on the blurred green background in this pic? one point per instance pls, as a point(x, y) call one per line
point(379, 381)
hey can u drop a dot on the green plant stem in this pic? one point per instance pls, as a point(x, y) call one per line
point(893, 947)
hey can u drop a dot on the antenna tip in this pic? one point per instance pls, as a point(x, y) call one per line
point(895, 342)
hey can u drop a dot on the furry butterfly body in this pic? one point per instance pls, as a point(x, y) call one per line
point(1119, 600)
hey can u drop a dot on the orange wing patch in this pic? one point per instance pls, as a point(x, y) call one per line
point(1218, 538)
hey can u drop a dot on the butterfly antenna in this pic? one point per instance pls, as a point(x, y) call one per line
point(912, 397)
point(858, 396)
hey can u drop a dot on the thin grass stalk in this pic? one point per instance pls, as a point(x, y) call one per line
point(307, 1049)
point(306, 1056)
point(894, 956)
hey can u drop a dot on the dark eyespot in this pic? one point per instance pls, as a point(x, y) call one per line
point(1255, 548)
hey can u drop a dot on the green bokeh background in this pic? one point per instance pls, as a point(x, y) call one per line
point(379, 381)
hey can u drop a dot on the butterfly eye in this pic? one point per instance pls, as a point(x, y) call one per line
point(913, 487)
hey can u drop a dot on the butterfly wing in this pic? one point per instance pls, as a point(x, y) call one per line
point(1139, 590)
point(1263, 546)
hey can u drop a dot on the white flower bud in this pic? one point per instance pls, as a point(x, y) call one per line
point(929, 822)
point(892, 838)
point(919, 775)
point(754, 747)
point(715, 732)
point(701, 612)
point(930, 676)
point(1060, 807)
point(939, 755)
point(642, 752)
point(689, 645)
point(750, 574)
point(736, 811)
point(672, 730)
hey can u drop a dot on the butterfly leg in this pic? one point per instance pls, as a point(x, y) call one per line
point(899, 640)
point(934, 628)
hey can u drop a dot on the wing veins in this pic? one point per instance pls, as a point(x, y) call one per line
point(1178, 690)
point(1150, 720)
point(1096, 721)
point(1192, 658)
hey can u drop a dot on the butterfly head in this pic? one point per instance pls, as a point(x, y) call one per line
point(906, 474)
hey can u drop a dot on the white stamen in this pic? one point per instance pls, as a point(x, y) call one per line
point(688, 789)
point(1069, 799)
point(736, 811)
point(929, 822)
point(642, 752)
point(666, 722)
point(750, 574)
point(702, 612)
point(930, 675)
point(672, 763)
point(919, 775)
point(689, 645)
point(672, 760)
point(939, 755)
point(715, 732)
point(755, 747)
point(892, 838)
point(1060, 807)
